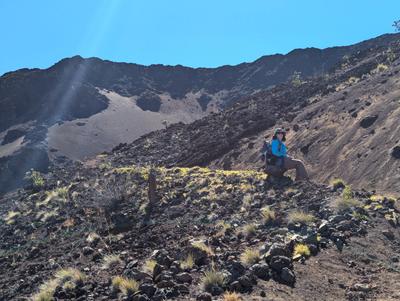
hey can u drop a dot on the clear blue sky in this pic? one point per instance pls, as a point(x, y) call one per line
point(38, 33)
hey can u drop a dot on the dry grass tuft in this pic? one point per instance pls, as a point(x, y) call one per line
point(231, 296)
point(125, 285)
point(301, 249)
point(212, 278)
point(202, 246)
point(300, 217)
point(188, 262)
point(250, 257)
point(110, 261)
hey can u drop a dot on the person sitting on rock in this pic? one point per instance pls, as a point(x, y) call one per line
point(280, 162)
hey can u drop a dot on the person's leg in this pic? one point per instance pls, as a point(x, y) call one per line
point(301, 172)
point(274, 170)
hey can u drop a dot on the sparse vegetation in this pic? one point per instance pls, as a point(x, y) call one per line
point(36, 179)
point(125, 285)
point(301, 249)
point(231, 296)
point(92, 237)
point(250, 256)
point(300, 217)
point(268, 215)
point(202, 246)
point(110, 261)
point(68, 278)
point(353, 80)
point(223, 227)
point(379, 68)
point(149, 265)
point(212, 278)
point(249, 229)
point(11, 217)
point(347, 200)
point(188, 262)
point(337, 183)
point(296, 79)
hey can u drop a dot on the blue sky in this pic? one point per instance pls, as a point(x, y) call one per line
point(202, 33)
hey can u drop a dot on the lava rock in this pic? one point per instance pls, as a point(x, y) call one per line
point(287, 276)
point(261, 270)
point(396, 152)
point(277, 263)
point(184, 278)
point(204, 297)
point(368, 121)
point(148, 289)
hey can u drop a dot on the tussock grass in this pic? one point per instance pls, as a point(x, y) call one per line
point(301, 249)
point(380, 68)
point(347, 200)
point(11, 217)
point(343, 204)
point(70, 274)
point(68, 278)
point(223, 227)
point(300, 217)
point(202, 246)
point(110, 261)
point(212, 278)
point(250, 257)
point(249, 230)
point(231, 296)
point(268, 215)
point(125, 285)
point(353, 80)
point(337, 183)
point(92, 237)
point(188, 262)
point(44, 216)
point(149, 265)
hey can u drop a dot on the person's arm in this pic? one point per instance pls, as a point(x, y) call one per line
point(275, 149)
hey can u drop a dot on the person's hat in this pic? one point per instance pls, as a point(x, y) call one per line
point(279, 131)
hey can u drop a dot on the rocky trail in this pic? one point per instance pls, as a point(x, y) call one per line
point(104, 232)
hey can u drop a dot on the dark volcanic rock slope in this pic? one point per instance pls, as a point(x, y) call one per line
point(341, 125)
point(91, 233)
point(91, 105)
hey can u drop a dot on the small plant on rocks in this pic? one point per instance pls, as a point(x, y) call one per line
point(249, 230)
point(223, 227)
point(36, 179)
point(67, 278)
point(300, 217)
point(110, 261)
point(92, 237)
point(202, 246)
point(212, 278)
point(188, 262)
point(250, 257)
point(268, 215)
point(11, 216)
point(231, 296)
point(337, 183)
point(301, 249)
point(149, 265)
point(347, 200)
point(125, 285)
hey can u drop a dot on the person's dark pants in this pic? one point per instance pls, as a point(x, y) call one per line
point(288, 163)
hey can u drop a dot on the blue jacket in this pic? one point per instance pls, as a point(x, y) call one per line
point(278, 148)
